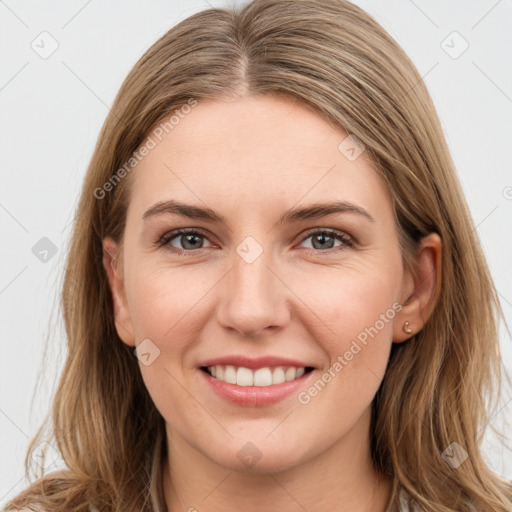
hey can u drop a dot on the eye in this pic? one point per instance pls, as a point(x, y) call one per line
point(188, 239)
point(323, 240)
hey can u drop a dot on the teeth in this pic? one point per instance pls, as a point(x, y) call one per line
point(262, 377)
point(278, 375)
point(290, 373)
point(230, 375)
point(244, 377)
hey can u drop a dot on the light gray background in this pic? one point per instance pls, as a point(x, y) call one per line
point(52, 110)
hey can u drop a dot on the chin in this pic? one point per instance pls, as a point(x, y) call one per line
point(256, 458)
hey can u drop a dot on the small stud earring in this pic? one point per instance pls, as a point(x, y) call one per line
point(406, 328)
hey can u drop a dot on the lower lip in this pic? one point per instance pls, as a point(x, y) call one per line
point(255, 396)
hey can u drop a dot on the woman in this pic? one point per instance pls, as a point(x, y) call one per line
point(275, 297)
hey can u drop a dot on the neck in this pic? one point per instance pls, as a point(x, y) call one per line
point(341, 478)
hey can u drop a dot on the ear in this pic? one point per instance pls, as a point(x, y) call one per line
point(421, 288)
point(112, 262)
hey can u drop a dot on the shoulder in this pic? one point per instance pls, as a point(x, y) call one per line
point(407, 504)
point(33, 508)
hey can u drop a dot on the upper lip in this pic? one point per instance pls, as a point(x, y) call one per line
point(254, 362)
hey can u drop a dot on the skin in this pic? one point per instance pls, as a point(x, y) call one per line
point(250, 160)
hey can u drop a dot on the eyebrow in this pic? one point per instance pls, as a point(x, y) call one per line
point(313, 211)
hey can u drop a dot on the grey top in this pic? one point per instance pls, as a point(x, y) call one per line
point(404, 507)
point(161, 505)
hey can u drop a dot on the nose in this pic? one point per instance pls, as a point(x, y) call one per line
point(253, 298)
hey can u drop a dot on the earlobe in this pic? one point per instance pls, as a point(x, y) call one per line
point(112, 265)
point(421, 289)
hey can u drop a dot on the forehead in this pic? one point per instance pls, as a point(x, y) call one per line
point(263, 153)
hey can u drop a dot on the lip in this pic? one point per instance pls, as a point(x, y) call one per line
point(255, 396)
point(254, 363)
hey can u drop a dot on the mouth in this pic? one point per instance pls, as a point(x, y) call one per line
point(255, 381)
point(257, 377)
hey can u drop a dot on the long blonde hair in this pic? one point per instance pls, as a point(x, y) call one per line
point(439, 386)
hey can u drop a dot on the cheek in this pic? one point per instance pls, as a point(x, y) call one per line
point(350, 301)
point(357, 349)
point(164, 302)
point(355, 308)
point(359, 308)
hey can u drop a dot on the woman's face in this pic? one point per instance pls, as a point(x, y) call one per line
point(257, 279)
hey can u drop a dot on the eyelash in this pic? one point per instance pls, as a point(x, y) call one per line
point(346, 240)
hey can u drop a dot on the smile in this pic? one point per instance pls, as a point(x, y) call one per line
point(261, 377)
